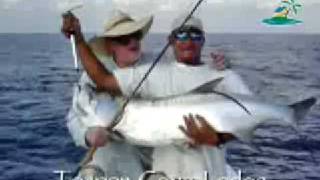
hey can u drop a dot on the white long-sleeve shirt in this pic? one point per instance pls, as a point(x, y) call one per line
point(118, 159)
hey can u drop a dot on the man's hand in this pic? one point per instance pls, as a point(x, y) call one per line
point(71, 25)
point(103, 79)
point(219, 60)
point(96, 137)
point(203, 133)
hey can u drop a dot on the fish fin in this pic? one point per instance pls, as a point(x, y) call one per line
point(207, 87)
point(301, 108)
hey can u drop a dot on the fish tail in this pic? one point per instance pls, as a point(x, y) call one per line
point(301, 108)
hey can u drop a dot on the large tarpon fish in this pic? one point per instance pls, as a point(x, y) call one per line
point(155, 122)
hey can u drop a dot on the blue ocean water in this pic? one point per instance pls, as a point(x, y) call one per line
point(36, 78)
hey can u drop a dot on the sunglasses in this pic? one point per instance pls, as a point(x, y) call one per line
point(186, 34)
point(125, 39)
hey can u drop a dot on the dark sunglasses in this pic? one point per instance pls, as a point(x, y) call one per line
point(125, 39)
point(186, 34)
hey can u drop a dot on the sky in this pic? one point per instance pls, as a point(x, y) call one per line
point(219, 16)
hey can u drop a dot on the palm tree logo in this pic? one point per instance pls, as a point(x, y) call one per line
point(281, 13)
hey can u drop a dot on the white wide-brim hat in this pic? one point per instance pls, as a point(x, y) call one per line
point(119, 25)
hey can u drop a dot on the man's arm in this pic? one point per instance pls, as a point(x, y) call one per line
point(103, 79)
point(85, 136)
point(76, 129)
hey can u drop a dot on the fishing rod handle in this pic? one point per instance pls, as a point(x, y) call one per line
point(88, 157)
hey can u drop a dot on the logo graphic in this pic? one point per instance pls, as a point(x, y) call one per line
point(280, 16)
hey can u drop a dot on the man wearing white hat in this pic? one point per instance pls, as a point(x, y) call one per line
point(118, 47)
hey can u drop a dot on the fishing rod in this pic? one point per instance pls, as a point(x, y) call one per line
point(91, 151)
